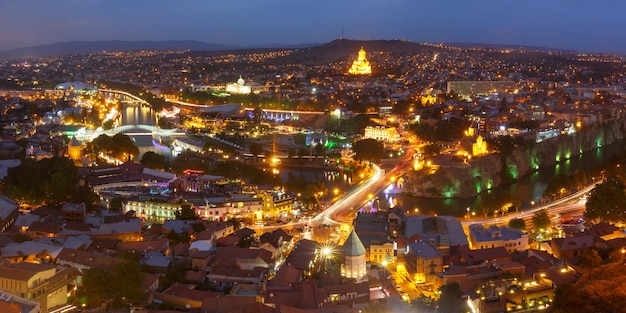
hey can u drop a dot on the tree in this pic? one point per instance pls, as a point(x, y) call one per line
point(606, 202)
point(541, 219)
point(236, 224)
point(116, 204)
point(52, 181)
point(451, 298)
point(153, 160)
point(370, 150)
point(186, 213)
point(517, 223)
point(590, 260)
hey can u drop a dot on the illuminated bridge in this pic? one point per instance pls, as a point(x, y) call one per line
point(234, 108)
point(138, 130)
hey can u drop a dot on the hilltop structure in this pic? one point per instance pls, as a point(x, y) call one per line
point(361, 66)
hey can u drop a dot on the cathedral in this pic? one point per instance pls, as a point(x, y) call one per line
point(360, 66)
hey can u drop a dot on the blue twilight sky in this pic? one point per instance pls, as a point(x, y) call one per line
point(584, 25)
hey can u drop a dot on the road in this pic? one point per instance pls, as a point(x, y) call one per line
point(571, 204)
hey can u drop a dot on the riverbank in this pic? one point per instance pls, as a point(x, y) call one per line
point(467, 180)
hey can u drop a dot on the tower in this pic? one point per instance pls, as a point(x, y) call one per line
point(353, 265)
point(75, 149)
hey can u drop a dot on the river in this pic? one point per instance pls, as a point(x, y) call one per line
point(525, 190)
point(133, 114)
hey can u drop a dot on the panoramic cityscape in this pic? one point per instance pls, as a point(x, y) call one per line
point(352, 175)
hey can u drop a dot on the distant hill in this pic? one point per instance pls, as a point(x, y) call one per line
point(502, 46)
point(76, 47)
point(342, 48)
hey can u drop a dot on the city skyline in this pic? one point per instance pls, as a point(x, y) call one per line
point(570, 25)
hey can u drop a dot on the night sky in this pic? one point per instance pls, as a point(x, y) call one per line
point(583, 25)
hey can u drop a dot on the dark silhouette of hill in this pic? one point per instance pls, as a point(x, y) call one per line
point(77, 47)
point(341, 48)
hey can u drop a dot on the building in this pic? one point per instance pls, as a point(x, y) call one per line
point(498, 236)
point(238, 88)
point(570, 247)
point(354, 257)
point(43, 283)
point(442, 232)
point(361, 66)
point(277, 203)
point(471, 88)
point(11, 303)
point(75, 149)
point(153, 211)
point(423, 261)
point(8, 213)
point(74, 212)
point(386, 134)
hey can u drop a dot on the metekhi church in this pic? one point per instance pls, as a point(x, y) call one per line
point(360, 66)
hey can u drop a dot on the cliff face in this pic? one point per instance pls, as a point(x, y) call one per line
point(489, 171)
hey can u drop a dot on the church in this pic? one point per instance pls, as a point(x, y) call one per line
point(361, 66)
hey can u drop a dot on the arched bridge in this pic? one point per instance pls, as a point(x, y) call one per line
point(134, 130)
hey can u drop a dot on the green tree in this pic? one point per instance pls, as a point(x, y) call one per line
point(370, 150)
point(606, 202)
point(116, 204)
point(590, 260)
point(236, 224)
point(541, 219)
point(517, 223)
point(451, 300)
point(153, 160)
point(186, 213)
point(51, 181)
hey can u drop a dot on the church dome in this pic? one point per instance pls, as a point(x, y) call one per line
point(353, 245)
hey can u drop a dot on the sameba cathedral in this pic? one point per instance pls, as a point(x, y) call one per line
point(360, 66)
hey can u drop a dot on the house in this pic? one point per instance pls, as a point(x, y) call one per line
point(423, 261)
point(43, 283)
point(84, 260)
point(441, 231)
point(299, 295)
point(570, 247)
point(244, 258)
point(278, 242)
point(498, 236)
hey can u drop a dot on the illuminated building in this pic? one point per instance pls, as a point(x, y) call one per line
point(424, 261)
point(360, 66)
point(75, 149)
point(354, 254)
point(386, 134)
point(470, 88)
point(479, 147)
point(238, 88)
point(277, 203)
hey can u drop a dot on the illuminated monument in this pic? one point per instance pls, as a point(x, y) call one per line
point(360, 66)
point(238, 88)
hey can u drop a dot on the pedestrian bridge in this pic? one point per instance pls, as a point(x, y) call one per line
point(145, 130)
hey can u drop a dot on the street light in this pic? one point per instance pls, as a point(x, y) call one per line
point(468, 212)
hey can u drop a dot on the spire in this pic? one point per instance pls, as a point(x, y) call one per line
point(353, 245)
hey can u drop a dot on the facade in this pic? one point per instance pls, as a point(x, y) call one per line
point(156, 212)
point(74, 212)
point(38, 282)
point(75, 149)
point(498, 236)
point(354, 254)
point(361, 66)
point(423, 261)
point(277, 204)
point(386, 134)
point(8, 213)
